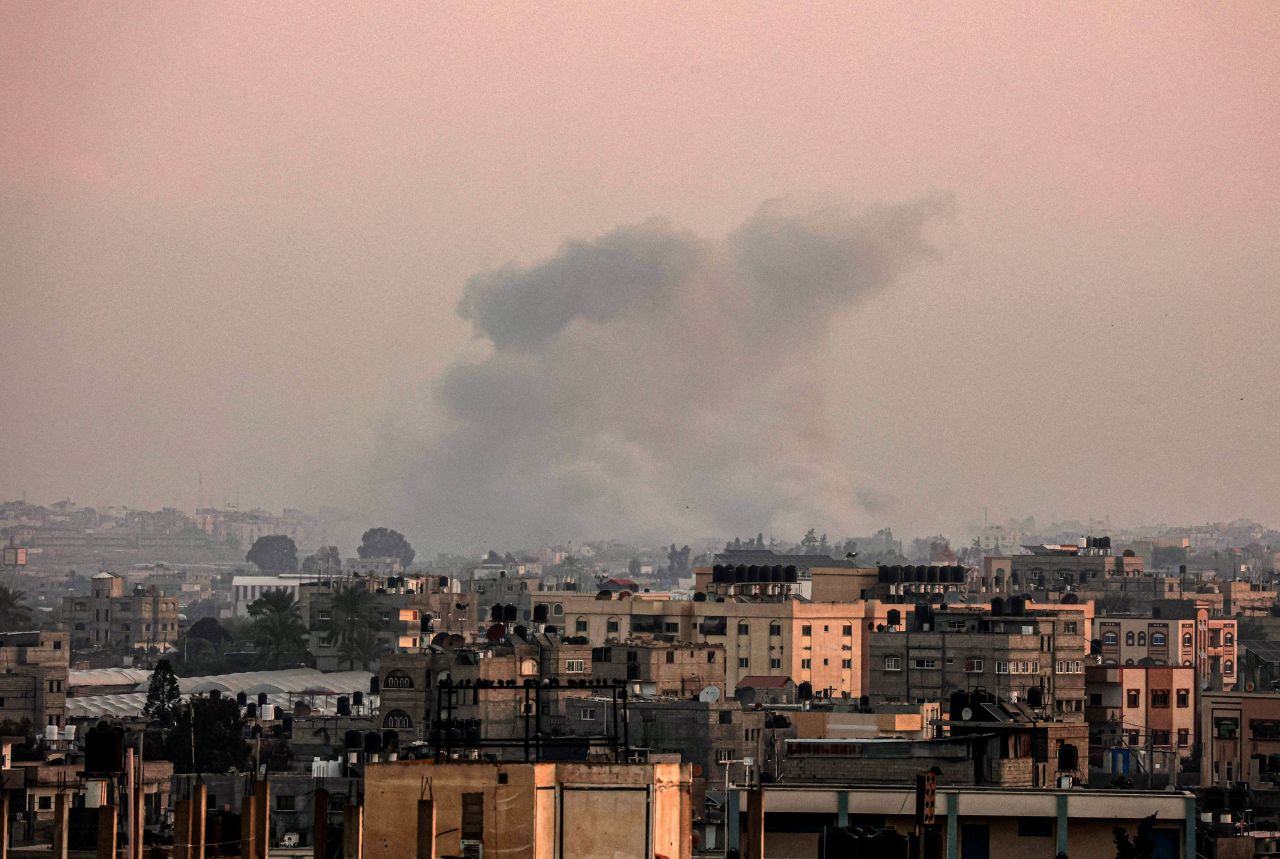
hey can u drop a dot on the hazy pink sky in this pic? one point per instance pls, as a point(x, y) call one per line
point(234, 236)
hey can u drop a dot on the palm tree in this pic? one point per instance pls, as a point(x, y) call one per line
point(351, 617)
point(13, 614)
point(364, 647)
point(278, 631)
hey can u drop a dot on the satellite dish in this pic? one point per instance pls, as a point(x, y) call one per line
point(966, 714)
point(709, 695)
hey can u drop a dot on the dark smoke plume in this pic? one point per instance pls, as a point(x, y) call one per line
point(652, 382)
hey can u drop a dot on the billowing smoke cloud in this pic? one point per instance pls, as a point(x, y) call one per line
point(652, 382)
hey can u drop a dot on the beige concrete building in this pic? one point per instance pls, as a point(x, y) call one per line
point(33, 678)
point(1034, 654)
point(1239, 738)
point(820, 643)
point(114, 618)
point(1205, 643)
point(974, 823)
point(530, 811)
point(1140, 708)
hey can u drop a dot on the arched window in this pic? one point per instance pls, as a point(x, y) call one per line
point(744, 628)
point(557, 609)
point(1157, 639)
point(1142, 639)
point(580, 625)
point(1128, 639)
point(1186, 639)
point(398, 719)
point(1110, 638)
point(1229, 639)
point(528, 667)
point(397, 680)
point(775, 628)
point(612, 626)
point(1228, 667)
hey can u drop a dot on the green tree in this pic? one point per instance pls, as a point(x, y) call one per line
point(218, 730)
point(385, 543)
point(351, 615)
point(274, 553)
point(362, 647)
point(1141, 847)
point(279, 633)
point(164, 695)
point(13, 613)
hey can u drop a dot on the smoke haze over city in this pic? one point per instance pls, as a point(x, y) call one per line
point(531, 273)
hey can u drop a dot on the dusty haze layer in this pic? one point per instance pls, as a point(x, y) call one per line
point(235, 241)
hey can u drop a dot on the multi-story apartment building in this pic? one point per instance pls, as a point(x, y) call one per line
point(1239, 738)
point(1058, 567)
point(485, 684)
point(1150, 707)
point(33, 678)
point(661, 668)
point(1035, 655)
point(822, 644)
point(113, 617)
point(1207, 644)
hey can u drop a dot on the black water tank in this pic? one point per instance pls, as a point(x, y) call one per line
point(792, 576)
point(262, 698)
point(699, 597)
point(1068, 758)
point(357, 698)
point(375, 685)
point(372, 742)
point(351, 739)
point(1035, 698)
point(344, 705)
point(242, 698)
point(541, 612)
point(509, 613)
point(251, 710)
point(104, 749)
point(997, 606)
point(893, 617)
point(959, 702)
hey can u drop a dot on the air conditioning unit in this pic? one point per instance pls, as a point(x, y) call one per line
point(472, 849)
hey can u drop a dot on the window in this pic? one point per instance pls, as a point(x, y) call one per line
point(972, 666)
point(612, 625)
point(806, 664)
point(1184, 698)
point(1184, 737)
point(671, 626)
point(397, 719)
point(1142, 639)
point(1035, 827)
point(775, 663)
point(775, 628)
point(284, 802)
point(46, 803)
point(1159, 738)
point(1069, 667)
point(1160, 698)
point(671, 657)
point(1069, 628)
point(1133, 739)
point(726, 717)
point(588, 714)
point(847, 630)
point(1228, 667)
point(846, 663)
point(926, 663)
point(576, 666)
point(1158, 639)
point(1002, 667)
point(806, 630)
point(1095, 699)
point(1229, 639)
point(1133, 698)
point(57, 645)
point(1186, 639)
point(473, 816)
point(324, 614)
point(1110, 639)
point(580, 625)
point(724, 755)
point(744, 662)
point(1128, 639)
point(397, 680)
point(893, 663)
point(1226, 728)
point(557, 609)
point(711, 656)
point(744, 628)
